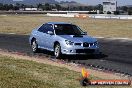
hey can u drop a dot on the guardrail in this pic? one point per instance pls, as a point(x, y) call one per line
point(43, 12)
point(110, 16)
point(64, 14)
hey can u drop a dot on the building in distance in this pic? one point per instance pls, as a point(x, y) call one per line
point(109, 6)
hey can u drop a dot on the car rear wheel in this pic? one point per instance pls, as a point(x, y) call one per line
point(57, 51)
point(34, 46)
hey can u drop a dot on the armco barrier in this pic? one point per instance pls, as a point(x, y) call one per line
point(129, 17)
point(110, 16)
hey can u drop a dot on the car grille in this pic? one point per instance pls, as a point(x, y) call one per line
point(85, 44)
point(85, 50)
point(78, 44)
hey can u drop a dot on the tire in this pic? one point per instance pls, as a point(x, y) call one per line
point(57, 51)
point(34, 46)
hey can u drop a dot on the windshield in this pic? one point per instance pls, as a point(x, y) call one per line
point(67, 29)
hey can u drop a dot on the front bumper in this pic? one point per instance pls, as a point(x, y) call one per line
point(79, 50)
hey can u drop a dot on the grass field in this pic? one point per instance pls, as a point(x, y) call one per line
point(17, 73)
point(23, 24)
point(28, 74)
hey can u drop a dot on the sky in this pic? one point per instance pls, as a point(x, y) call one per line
point(95, 2)
point(17, 0)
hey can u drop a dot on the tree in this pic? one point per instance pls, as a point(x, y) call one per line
point(17, 6)
point(90, 8)
point(80, 8)
point(11, 7)
point(125, 8)
point(1, 6)
point(6, 7)
point(47, 6)
point(129, 11)
point(116, 12)
point(31, 6)
point(22, 6)
point(130, 8)
point(39, 6)
point(99, 7)
point(58, 7)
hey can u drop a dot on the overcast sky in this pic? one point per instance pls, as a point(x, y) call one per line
point(95, 2)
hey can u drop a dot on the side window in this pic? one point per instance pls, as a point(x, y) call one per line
point(45, 28)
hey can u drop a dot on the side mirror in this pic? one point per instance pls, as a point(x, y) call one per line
point(50, 33)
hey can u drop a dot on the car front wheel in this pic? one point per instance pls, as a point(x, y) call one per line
point(34, 46)
point(57, 51)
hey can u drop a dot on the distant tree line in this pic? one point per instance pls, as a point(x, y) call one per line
point(11, 6)
point(48, 7)
point(126, 9)
point(58, 7)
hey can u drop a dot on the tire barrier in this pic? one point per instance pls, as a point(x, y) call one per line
point(73, 15)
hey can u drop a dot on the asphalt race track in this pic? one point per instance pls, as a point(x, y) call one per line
point(116, 54)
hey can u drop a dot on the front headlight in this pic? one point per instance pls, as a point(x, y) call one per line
point(69, 42)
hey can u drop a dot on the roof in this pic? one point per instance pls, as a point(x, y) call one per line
point(58, 23)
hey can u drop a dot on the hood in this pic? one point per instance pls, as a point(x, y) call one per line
point(78, 38)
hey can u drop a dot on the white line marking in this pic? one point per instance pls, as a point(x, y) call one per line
point(123, 39)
